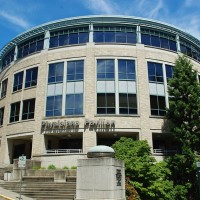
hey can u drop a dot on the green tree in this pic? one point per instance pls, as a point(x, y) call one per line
point(184, 123)
point(149, 178)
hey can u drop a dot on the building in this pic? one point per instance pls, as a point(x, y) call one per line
point(75, 83)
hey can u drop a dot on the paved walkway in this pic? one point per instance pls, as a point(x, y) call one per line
point(9, 195)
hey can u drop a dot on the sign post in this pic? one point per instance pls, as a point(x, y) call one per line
point(198, 175)
point(21, 165)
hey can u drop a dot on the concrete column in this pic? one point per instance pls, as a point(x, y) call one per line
point(16, 53)
point(138, 33)
point(46, 40)
point(100, 178)
point(91, 39)
point(178, 46)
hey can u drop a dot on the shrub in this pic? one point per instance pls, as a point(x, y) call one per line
point(65, 167)
point(52, 167)
point(73, 167)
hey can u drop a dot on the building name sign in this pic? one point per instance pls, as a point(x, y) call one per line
point(64, 125)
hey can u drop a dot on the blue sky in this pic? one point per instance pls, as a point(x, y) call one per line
point(17, 16)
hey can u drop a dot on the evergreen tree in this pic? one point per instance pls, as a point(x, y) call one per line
point(184, 122)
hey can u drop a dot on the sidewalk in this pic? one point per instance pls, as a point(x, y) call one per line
point(9, 195)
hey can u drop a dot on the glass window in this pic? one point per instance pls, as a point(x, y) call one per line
point(74, 104)
point(131, 38)
point(155, 41)
point(73, 38)
point(105, 103)
point(169, 72)
point(105, 69)
point(31, 46)
point(109, 36)
point(75, 70)
point(126, 69)
point(127, 103)
point(155, 72)
point(28, 109)
point(31, 77)
point(120, 37)
point(164, 43)
point(1, 116)
point(158, 107)
point(4, 88)
point(8, 58)
point(63, 40)
point(145, 39)
point(172, 45)
point(14, 112)
point(40, 45)
point(54, 106)
point(56, 73)
point(53, 42)
point(18, 81)
point(83, 38)
point(98, 37)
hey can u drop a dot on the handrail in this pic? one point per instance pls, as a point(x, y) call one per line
point(165, 151)
point(58, 151)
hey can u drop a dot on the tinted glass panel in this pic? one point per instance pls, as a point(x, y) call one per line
point(98, 37)
point(109, 36)
point(155, 41)
point(53, 42)
point(145, 39)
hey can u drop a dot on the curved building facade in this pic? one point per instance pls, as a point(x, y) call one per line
point(75, 83)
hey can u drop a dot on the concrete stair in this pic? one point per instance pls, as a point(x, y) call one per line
point(43, 190)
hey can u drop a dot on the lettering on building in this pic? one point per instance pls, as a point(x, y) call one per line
point(119, 177)
point(73, 126)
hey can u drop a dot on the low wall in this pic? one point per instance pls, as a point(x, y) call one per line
point(61, 161)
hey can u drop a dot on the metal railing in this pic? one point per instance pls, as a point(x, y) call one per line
point(165, 151)
point(60, 151)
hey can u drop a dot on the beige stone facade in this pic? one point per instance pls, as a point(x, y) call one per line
point(31, 132)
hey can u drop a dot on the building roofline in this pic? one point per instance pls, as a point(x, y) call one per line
point(81, 20)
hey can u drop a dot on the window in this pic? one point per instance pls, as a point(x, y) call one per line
point(158, 106)
point(14, 112)
point(127, 103)
point(189, 49)
point(157, 88)
point(55, 89)
point(106, 103)
point(169, 72)
point(158, 39)
point(75, 70)
point(155, 72)
point(72, 81)
point(54, 106)
point(105, 69)
point(4, 88)
point(127, 87)
point(74, 91)
point(8, 58)
point(69, 37)
point(31, 77)
point(56, 73)
point(1, 116)
point(105, 86)
point(74, 104)
point(31, 46)
point(18, 81)
point(126, 69)
point(114, 34)
point(28, 109)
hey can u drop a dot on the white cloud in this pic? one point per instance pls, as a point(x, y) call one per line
point(155, 11)
point(103, 7)
point(15, 20)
